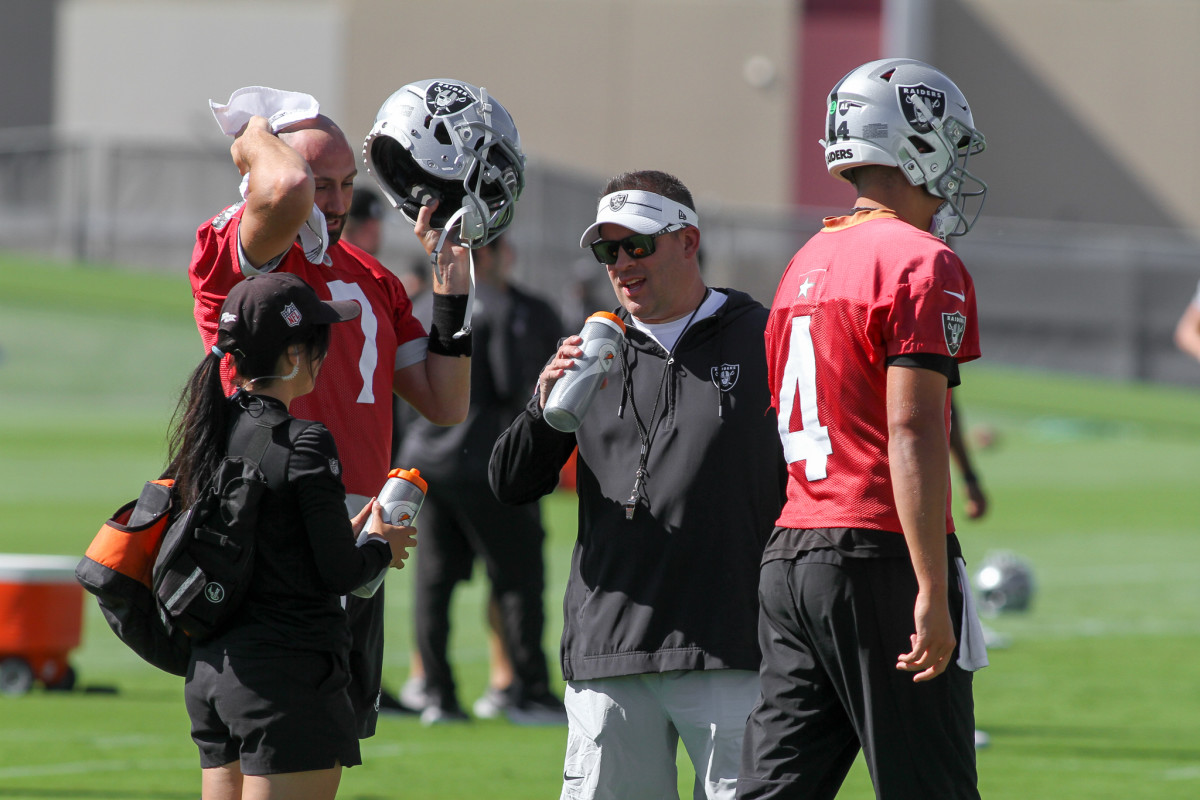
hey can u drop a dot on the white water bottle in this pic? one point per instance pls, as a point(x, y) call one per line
point(573, 393)
point(399, 501)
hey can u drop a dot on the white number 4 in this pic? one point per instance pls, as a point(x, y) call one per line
point(811, 444)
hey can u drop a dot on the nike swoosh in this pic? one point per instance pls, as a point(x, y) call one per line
point(962, 297)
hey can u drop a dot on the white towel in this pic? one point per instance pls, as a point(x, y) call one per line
point(972, 650)
point(281, 108)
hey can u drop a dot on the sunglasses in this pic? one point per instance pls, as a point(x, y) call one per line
point(639, 245)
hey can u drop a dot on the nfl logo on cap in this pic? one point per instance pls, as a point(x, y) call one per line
point(291, 315)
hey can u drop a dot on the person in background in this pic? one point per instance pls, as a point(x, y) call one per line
point(1187, 330)
point(267, 694)
point(680, 477)
point(364, 222)
point(975, 498)
point(461, 520)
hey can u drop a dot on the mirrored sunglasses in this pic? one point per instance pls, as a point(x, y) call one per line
point(639, 245)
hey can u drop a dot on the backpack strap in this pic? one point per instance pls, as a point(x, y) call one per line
point(273, 461)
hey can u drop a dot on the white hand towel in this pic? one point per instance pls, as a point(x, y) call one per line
point(972, 651)
point(281, 108)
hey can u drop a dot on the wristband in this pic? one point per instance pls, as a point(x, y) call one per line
point(448, 313)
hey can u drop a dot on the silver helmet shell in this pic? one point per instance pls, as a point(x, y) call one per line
point(904, 113)
point(446, 139)
point(1004, 583)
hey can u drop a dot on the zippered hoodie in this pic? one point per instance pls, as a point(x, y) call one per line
point(675, 587)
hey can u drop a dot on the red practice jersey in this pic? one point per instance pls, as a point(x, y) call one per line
point(353, 398)
point(864, 289)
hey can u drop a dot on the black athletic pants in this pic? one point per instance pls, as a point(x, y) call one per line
point(458, 523)
point(831, 628)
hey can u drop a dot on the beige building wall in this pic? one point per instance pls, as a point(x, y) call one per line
point(700, 88)
point(144, 70)
point(1089, 106)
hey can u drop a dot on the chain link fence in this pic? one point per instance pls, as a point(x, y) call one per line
point(1070, 297)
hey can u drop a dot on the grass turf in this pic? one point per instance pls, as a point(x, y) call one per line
point(1093, 482)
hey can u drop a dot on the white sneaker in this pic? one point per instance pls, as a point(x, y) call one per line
point(412, 694)
point(491, 705)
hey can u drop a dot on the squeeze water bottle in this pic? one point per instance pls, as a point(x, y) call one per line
point(399, 501)
point(573, 393)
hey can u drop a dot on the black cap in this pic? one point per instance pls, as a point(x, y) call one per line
point(265, 312)
point(365, 204)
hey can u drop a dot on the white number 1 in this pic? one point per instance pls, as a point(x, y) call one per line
point(340, 290)
point(811, 444)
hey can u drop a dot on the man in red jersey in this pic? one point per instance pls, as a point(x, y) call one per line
point(310, 163)
point(862, 588)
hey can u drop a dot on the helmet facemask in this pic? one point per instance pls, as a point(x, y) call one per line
point(944, 174)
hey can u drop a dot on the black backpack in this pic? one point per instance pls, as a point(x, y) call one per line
point(206, 560)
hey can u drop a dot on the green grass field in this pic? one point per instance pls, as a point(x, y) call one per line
point(1095, 483)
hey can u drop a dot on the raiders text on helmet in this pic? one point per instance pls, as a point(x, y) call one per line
point(448, 140)
point(903, 113)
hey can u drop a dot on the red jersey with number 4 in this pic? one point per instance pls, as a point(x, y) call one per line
point(864, 289)
point(353, 398)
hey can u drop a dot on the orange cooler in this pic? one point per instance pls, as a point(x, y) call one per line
point(41, 621)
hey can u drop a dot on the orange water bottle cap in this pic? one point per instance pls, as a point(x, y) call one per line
point(411, 475)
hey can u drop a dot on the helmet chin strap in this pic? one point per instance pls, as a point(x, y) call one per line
point(433, 259)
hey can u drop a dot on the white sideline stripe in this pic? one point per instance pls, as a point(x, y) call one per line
point(106, 765)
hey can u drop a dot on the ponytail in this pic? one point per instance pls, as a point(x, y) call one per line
point(199, 429)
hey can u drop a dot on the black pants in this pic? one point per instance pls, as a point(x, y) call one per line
point(831, 629)
point(458, 523)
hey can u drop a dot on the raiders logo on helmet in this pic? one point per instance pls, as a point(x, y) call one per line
point(443, 99)
point(931, 99)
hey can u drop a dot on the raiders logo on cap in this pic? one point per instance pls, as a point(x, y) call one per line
point(617, 202)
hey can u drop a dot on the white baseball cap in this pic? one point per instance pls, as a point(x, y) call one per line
point(639, 211)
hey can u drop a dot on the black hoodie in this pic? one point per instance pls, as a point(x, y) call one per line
point(675, 587)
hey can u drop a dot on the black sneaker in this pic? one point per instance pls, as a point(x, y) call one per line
point(542, 709)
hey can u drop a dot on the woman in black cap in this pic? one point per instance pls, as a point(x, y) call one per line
point(267, 694)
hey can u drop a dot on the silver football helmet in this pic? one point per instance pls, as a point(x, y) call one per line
point(904, 113)
point(1004, 583)
point(449, 140)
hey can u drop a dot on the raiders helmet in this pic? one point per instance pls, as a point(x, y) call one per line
point(903, 113)
point(1004, 583)
point(448, 140)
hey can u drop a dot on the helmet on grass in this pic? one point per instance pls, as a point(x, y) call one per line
point(1004, 583)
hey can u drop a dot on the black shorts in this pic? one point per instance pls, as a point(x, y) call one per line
point(276, 714)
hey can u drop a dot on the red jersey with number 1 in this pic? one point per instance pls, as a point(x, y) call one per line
point(353, 398)
point(864, 289)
